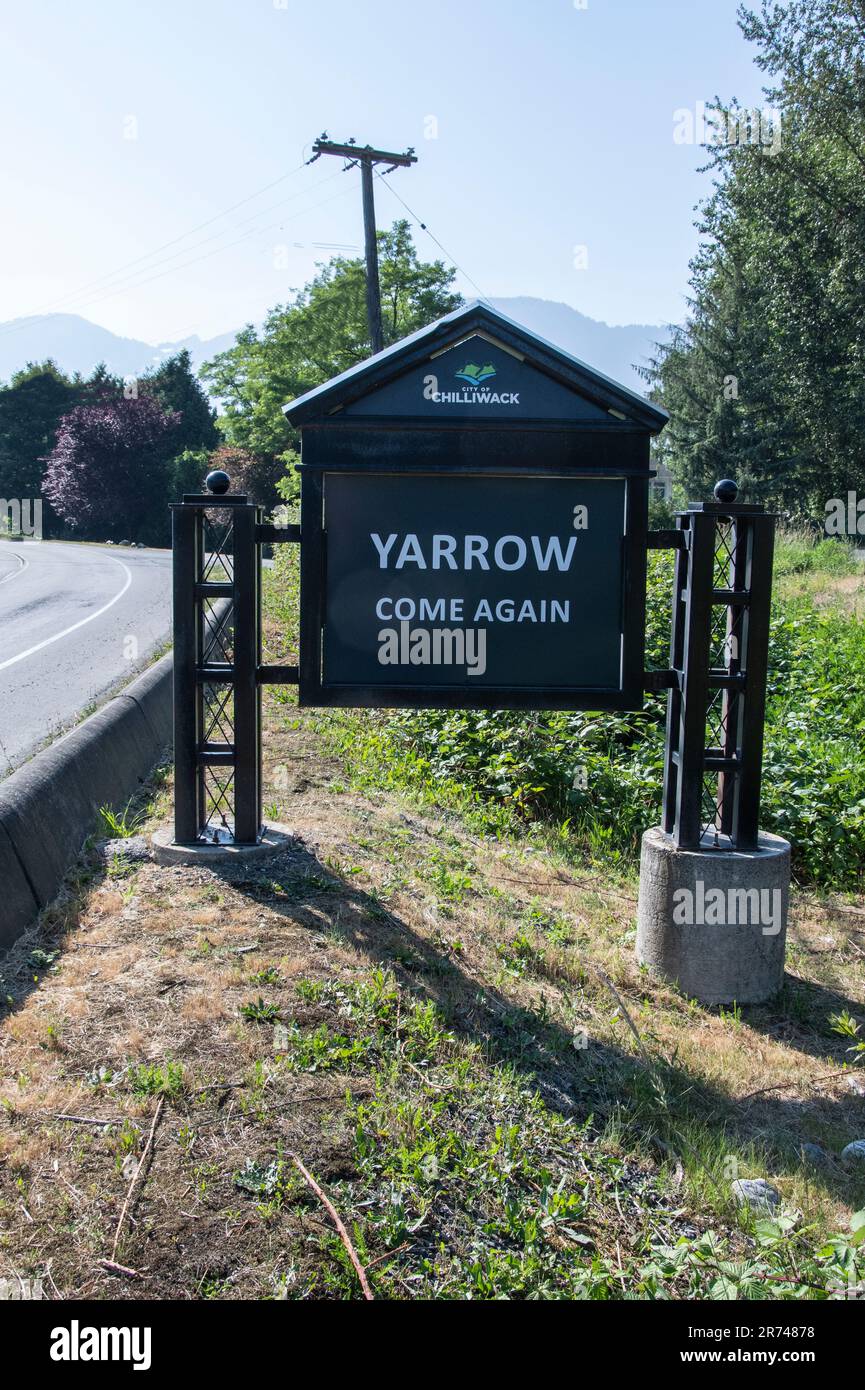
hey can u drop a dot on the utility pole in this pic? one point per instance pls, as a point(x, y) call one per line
point(367, 158)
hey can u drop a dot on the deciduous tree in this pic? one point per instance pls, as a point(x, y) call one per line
point(108, 474)
point(320, 332)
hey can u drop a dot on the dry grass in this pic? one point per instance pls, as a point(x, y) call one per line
point(520, 955)
point(843, 593)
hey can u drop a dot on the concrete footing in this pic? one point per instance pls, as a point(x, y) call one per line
point(714, 922)
point(165, 851)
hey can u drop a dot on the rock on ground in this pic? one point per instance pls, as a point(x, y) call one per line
point(814, 1154)
point(756, 1193)
point(132, 848)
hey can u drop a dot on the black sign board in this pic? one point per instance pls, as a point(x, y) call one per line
point(464, 582)
point(473, 526)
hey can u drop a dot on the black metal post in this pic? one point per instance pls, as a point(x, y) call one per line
point(732, 707)
point(185, 529)
point(217, 703)
point(312, 555)
point(247, 696)
point(674, 700)
point(691, 733)
point(725, 562)
point(755, 647)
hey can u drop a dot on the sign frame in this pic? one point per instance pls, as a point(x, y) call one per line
point(315, 689)
point(407, 411)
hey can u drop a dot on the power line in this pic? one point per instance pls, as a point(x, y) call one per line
point(127, 285)
point(122, 289)
point(434, 238)
point(109, 275)
point(262, 212)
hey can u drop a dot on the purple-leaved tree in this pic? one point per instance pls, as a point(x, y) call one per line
point(109, 472)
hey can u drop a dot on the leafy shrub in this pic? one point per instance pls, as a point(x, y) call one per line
point(598, 776)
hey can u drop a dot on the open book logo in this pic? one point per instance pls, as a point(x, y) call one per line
point(475, 375)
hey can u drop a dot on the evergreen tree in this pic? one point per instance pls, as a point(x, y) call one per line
point(31, 407)
point(174, 385)
point(778, 289)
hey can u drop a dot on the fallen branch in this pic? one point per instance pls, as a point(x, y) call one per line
point(82, 1119)
point(780, 1085)
point(138, 1171)
point(337, 1221)
point(568, 882)
point(425, 1079)
point(50, 1277)
point(114, 1268)
point(607, 982)
point(219, 1086)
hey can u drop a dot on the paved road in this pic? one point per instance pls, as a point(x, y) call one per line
point(76, 622)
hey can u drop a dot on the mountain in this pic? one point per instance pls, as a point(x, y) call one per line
point(77, 345)
point(615, 351)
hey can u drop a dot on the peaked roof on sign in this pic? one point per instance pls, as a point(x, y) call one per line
point(477, 316)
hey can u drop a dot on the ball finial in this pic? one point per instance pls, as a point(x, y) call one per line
point(726, 490)
point(217, 482)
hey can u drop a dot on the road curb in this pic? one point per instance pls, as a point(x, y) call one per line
point(50, 805)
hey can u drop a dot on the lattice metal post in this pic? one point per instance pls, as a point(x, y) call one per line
point(247, 693)
point(718, 656)
point(185, 541)
point(217, 713)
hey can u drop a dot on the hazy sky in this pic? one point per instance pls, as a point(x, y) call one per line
point(540, 125)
